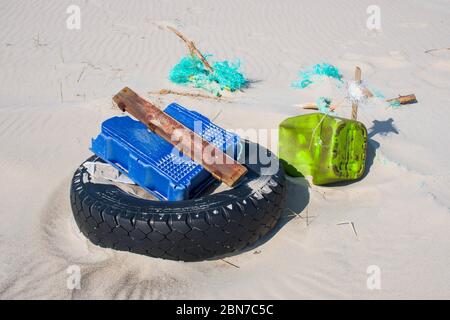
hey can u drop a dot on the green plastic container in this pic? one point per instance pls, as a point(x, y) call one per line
point(330, 149)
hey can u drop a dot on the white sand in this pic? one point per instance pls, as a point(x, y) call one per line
point(56, 89)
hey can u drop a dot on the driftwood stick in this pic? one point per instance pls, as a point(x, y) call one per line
point(310, 106)
point(185, 94)
point(355, 104)
point(192, 48)
point(438, 49)
point(408, 99)
point(214, 160)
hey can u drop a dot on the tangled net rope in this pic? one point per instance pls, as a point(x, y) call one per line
point(190, 70)
point(323, 105)
point(316, 73)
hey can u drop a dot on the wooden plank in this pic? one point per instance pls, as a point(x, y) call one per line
point(218, 163)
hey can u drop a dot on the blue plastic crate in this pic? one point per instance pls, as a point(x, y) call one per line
point(152, 162)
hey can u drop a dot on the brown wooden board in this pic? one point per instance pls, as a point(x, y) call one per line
point(214, 160)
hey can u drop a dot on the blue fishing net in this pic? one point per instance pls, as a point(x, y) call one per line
point(323, 104)
point(316, 72)
point(226, 75)
point(378, 94)
point(394, 104)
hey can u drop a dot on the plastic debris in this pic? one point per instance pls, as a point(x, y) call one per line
point(151, 162)
point(394, 104)
point(316, 73)
point(357, 92)
point(221, 165)
point(328, 148)
point(378, 94)
point(360, 92)
point(323, 105)
point(225, 76)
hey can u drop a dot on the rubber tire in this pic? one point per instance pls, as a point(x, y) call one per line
point(190, 230)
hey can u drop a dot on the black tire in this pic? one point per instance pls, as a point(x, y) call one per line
point(191, 230)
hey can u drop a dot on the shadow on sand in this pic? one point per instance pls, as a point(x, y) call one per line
point(297, 196)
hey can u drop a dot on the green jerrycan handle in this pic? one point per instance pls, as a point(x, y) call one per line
point(330, 149)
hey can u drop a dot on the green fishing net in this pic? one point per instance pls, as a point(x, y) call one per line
point(226, 75)
point(316, 72)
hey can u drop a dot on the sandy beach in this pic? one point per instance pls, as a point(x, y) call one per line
point(56, 90)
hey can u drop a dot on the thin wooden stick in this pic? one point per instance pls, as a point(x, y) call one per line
point(185, 94)
point(351, 224)
point(438, 49)
point(355, 104)
point(192, 48)
point(310, 106)
point(61, 91)
point(230, 263)
point(408, 99)
point(295, 213)
point(313, 105)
